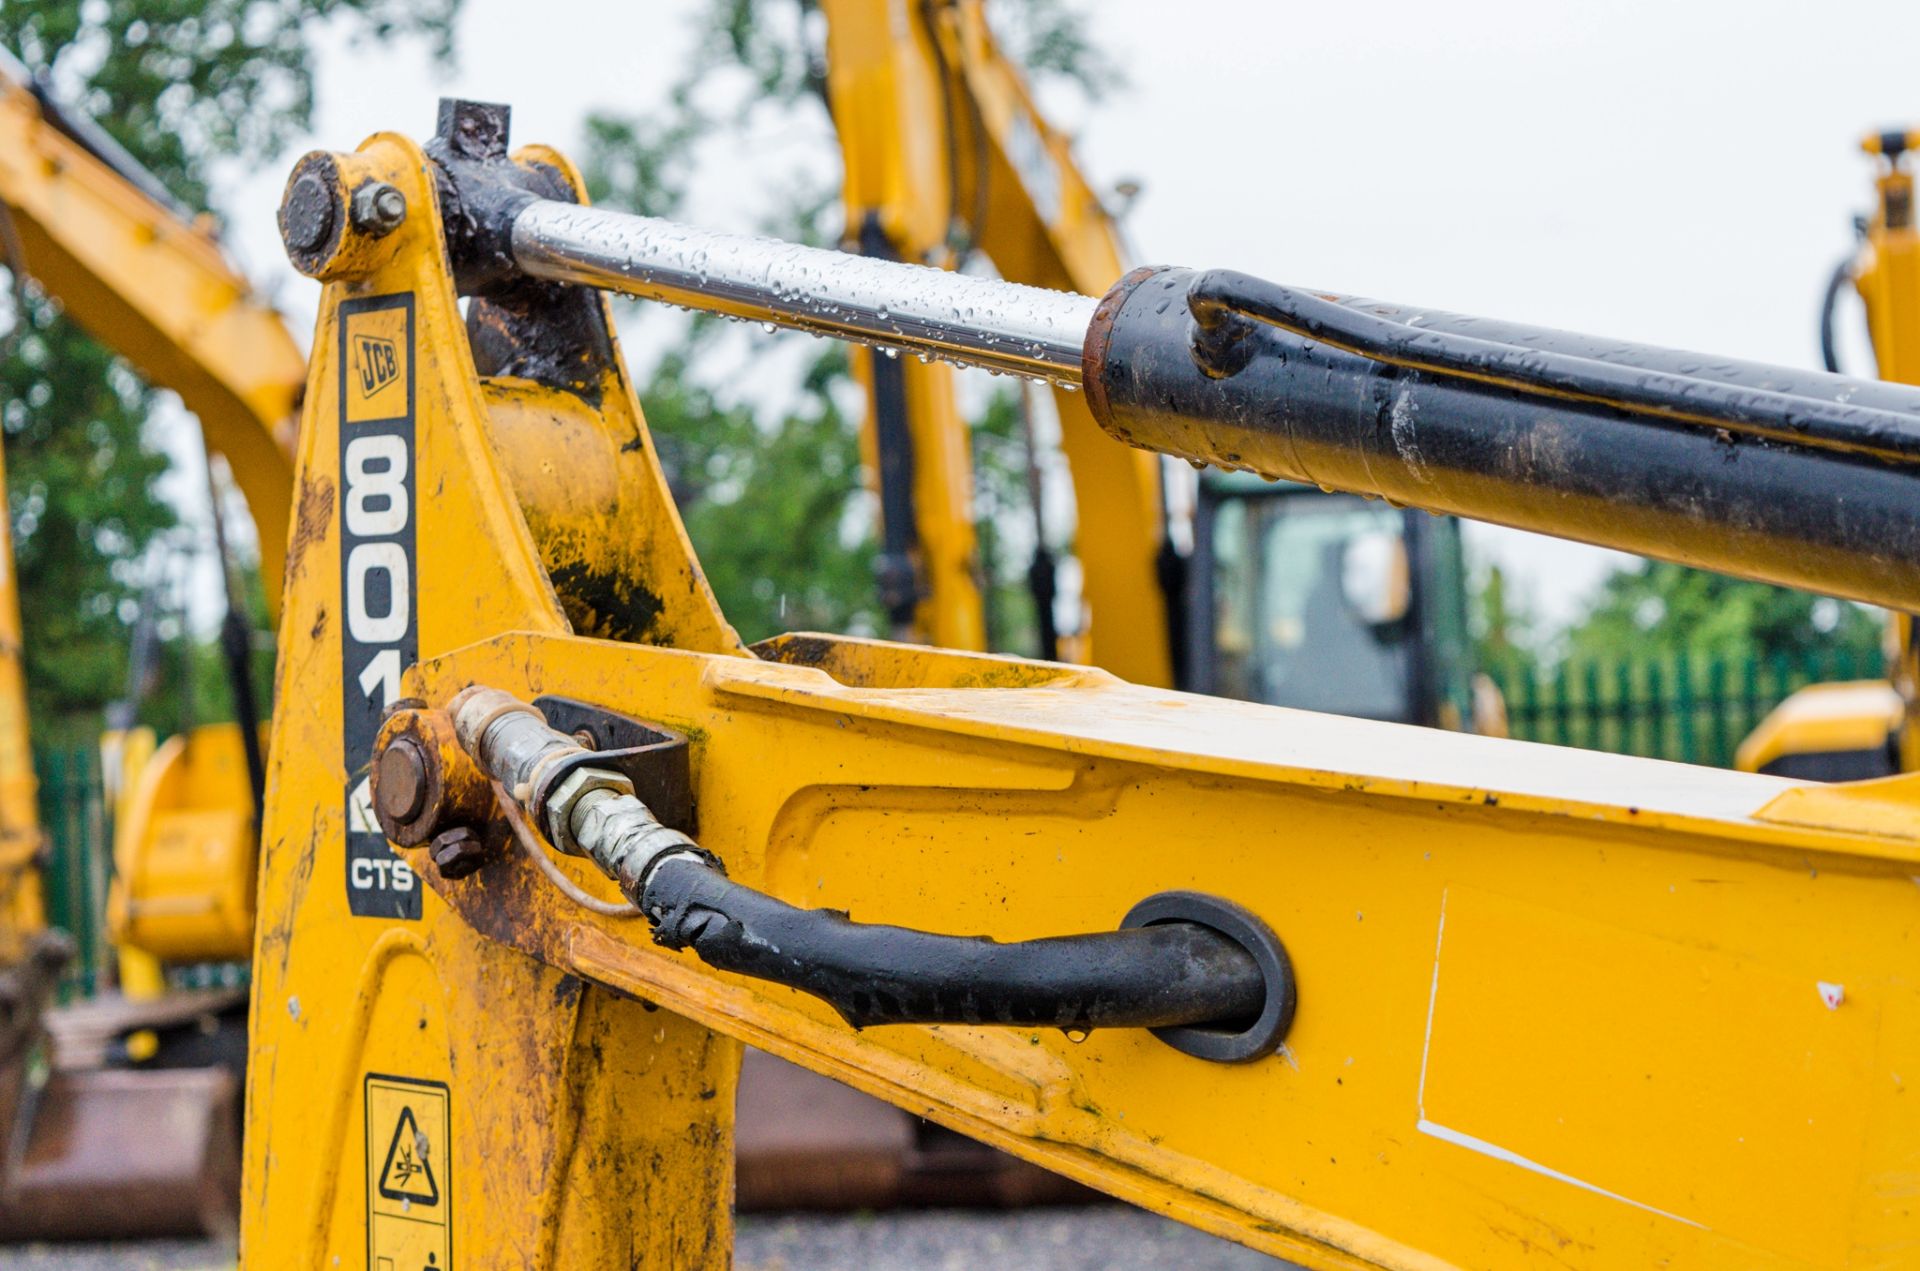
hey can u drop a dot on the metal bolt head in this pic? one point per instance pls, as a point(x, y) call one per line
point(458, 852)
point(378, 209)
point(400, 785)
point(306, 218)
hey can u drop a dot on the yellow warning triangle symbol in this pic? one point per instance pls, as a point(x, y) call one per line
point(408, 1174)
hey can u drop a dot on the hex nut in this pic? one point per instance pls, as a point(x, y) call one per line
point(378, 209)
point(458, 852)
point(560, 803)
point(593, 813)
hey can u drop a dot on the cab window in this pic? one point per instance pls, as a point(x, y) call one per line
point(1304, 603)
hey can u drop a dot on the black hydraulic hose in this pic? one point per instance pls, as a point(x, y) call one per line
point(1159, 976)
point(1043, 585)
point(1838, 282)
point(1746, 398)
point(236, 644)
point(1042, 571)
point(897, 567)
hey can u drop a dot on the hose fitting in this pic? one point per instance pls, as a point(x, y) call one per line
point(584, 810)
point(625, 839)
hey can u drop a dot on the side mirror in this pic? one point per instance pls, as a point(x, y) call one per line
point(1375, 578)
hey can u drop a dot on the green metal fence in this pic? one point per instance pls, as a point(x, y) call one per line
point(73, 815)
point(1695, 710)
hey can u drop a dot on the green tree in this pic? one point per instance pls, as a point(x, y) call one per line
point(1502, 627)
point(180, 84)
point(775, 500)
point(1003, 503)
point(768, 501)
point(1657, 609)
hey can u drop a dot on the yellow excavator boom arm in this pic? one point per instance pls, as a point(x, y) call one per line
point(159, 291)
point(943, 145)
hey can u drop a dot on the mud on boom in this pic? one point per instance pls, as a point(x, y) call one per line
point(1355, 993)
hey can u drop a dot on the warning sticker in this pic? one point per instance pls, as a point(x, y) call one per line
point(409, 1198)
point(408, 1173)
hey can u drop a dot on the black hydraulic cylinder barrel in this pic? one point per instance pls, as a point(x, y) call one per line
point(236, 642)
point(1792, 477)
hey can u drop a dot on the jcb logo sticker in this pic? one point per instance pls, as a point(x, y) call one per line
point(374, 358)
point(379, 635)
point(377, 370)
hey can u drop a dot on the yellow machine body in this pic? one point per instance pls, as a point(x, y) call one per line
point(184, 853)
point(1854, 718)
point(939, 138)
point(1886, 270)
point(153, 285)
point(1556, 1007)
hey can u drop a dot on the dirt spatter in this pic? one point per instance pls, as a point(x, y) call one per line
point(606, 604)
point(312, 514)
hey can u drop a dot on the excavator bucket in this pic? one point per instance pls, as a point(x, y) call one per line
point(119, 1152)
point(99, 1152)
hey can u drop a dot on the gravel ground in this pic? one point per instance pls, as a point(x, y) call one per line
point(1098, 1238)
point(143, 1255)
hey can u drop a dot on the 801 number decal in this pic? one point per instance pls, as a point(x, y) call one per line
point(380, 636)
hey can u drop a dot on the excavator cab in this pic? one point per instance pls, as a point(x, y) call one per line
point(1327, 602)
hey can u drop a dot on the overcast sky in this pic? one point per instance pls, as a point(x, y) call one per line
point(1673, 171)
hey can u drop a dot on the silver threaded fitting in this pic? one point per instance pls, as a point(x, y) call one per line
point(592, 812)
point(625, 839)
point(507, 737)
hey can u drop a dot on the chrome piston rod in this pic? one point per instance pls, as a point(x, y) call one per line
point(913, 309)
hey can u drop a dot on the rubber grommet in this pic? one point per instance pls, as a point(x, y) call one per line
point(1244, 928)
